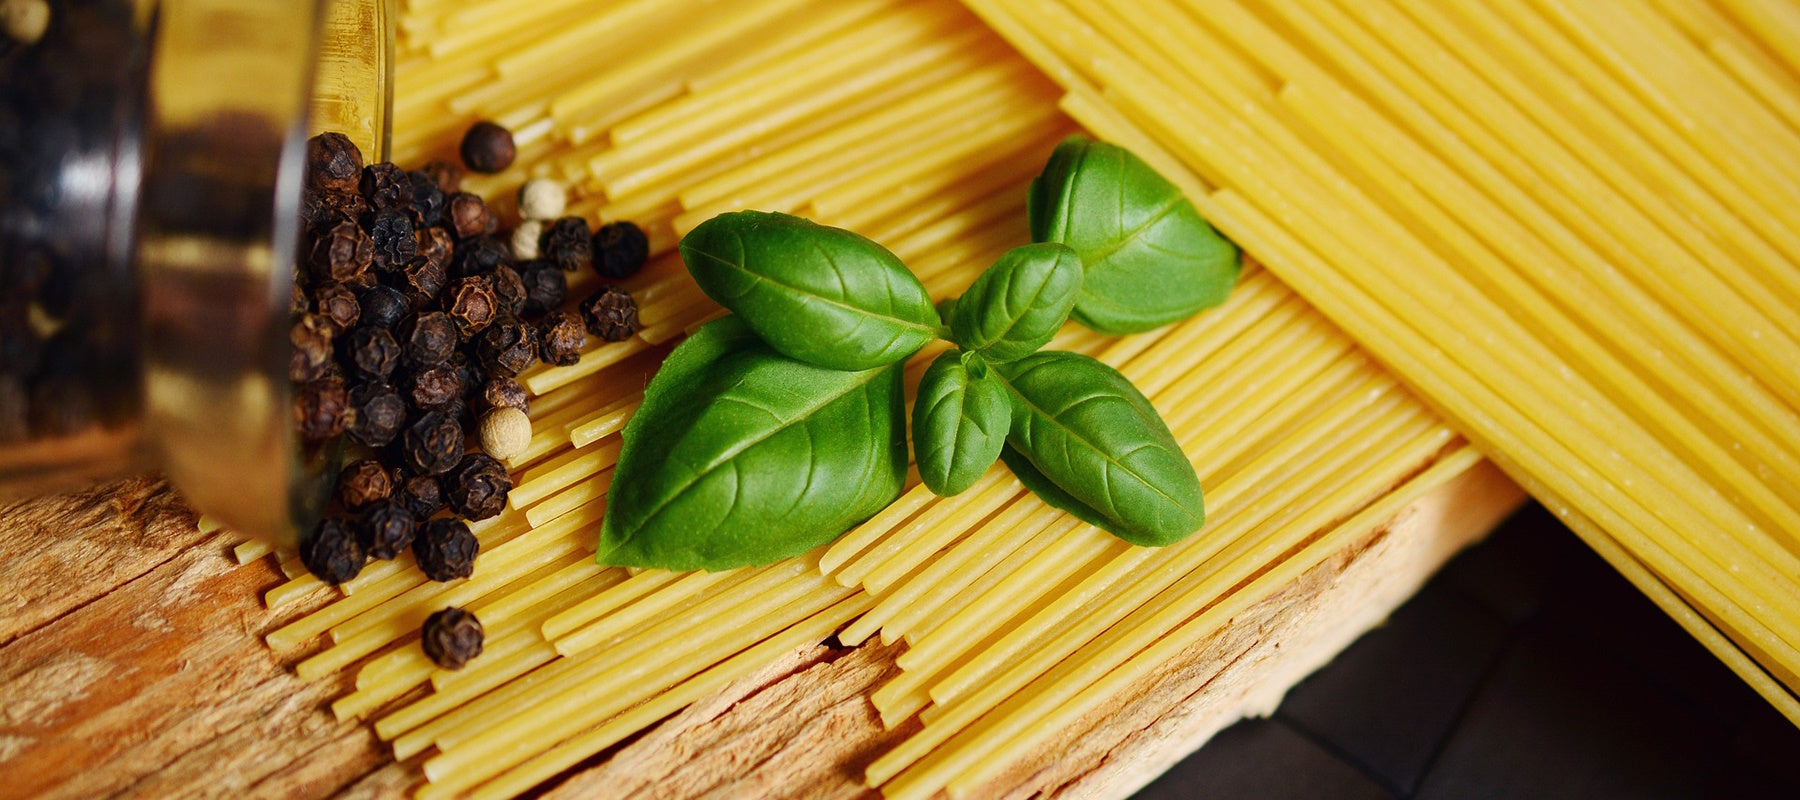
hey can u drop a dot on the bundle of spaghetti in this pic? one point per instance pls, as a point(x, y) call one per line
point(1571, 226)
point(912, 124)
point(1032, 589)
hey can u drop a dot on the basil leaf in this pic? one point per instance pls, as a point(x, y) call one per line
point(1017, 305)
point(1048, 491)
point(741, 456)
point(960, 420)
point(1085, 429)
point(945, 308)
point(822, 295)
point(1150, 258)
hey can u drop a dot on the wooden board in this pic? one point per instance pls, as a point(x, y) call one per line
point(132, 663)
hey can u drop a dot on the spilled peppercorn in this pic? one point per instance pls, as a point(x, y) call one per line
point(413, 314)
point(487, 147)
point(610, 314)
point(451, 637)
point(446, 550)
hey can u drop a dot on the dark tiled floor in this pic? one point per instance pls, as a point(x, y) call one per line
point(1526, 669)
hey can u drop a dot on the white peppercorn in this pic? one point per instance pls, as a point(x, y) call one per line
point(525, 240)
point(505, 432)
point(25, 20)
point(542, 199)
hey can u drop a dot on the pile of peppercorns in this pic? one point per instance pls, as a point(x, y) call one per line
point(69, 332)
point(412, 318)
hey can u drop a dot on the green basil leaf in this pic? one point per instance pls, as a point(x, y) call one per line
point(1150, 258)
point(1084, 428)
point(741, 456)
point(1048, 491)
point(960, 420)
point(1017, 305)
point(945, 309)
point(822, 295)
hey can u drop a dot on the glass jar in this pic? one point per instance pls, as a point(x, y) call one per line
point(151, 161)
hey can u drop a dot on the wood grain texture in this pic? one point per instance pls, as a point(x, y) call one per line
point(136, 668)
point(63, 551)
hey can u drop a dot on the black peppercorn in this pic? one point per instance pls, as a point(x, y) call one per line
point(15, 424)
point(58, 294)
point(380, 413)
point(422, 495)
point(433, 444)
point(457, 411)
point(341, 254)
point(487, 147)
point(332, 552)
point(30, 272)
point(60, 405)
point(451, 637)
point(372, 352)
point(507, 347)
point(362, 483)
point(620, 249)
point(437, 245)
point(427, 339)
point(385, 186)
point(333, 162)
point(560, 338)
point(434, 386)
point(477, 488)
point(391, 234)
point(502, 392)
point(545, 286)
point(322, 409)
point(610, 314)
point(321, 209)
point(421, 281)
point(468, 215)
point(447, 175)
point(298, 303)
point(471, 304)
point(567, 244)
point(315, 212)
point(509, 289)
point(19, 344)
point(446, 549)
point(473, 374)
point(311, 337)
point(426, 207)
point(479, 255)
point(386, 529)
point(381, 306)
point(337, 303)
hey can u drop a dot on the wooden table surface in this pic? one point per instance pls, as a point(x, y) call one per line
point(132, 664)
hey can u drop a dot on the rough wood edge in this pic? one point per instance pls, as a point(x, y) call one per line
point(804, 727)
point(1243, 670)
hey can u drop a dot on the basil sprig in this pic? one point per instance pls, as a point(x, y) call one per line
point(773, 430)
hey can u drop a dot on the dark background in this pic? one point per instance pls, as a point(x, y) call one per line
point(1527, 668)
